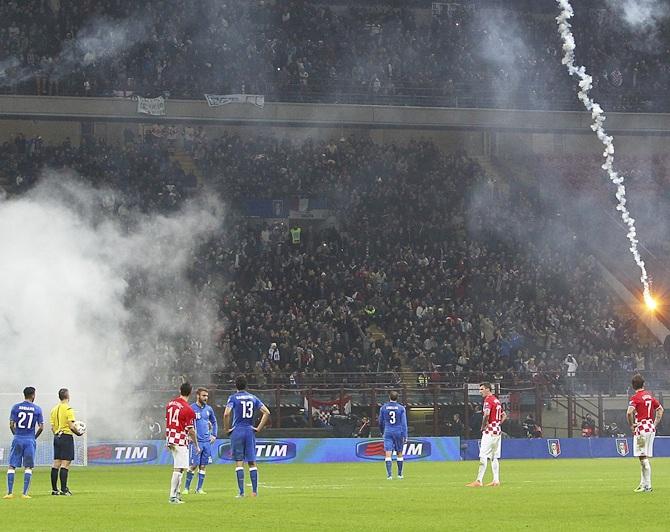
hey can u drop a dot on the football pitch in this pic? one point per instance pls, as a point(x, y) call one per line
point(535, 494)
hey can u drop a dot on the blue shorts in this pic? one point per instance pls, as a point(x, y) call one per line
point(22, 452)
point(204, 457)
point(393, 442)
point(243, 444)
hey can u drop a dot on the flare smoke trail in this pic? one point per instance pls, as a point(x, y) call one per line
point(598, 117)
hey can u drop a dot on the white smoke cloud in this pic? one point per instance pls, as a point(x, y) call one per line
point(67, 314)
point(101, 38)
point(640, 14)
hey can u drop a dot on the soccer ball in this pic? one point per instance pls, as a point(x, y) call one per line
point(80, 426)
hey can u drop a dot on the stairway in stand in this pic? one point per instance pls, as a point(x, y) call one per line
point(187, 164)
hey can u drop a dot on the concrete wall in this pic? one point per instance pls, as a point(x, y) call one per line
point(479, 131)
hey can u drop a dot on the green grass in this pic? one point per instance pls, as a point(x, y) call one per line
point(536, 494)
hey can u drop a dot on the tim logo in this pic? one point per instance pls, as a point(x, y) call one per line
point(622, 446)
point(121, 453)
point(554, 447)
point(374, 449)
point(266, 451)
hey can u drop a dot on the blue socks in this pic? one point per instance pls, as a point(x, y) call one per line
point(239, 471)
point(389, 465)
point(189, 479)
point(27, 476)
point(10, 482)
point(201, 480)
point(400, 464)
point(253, 473)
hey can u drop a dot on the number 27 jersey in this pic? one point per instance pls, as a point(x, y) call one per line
point(244, 406)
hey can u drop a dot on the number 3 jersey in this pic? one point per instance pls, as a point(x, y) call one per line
point(645, 406)
point(244, 405)
point(493, 408)
point(179, 417)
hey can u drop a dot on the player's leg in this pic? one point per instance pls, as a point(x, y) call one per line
point(15, 460)
point(180, 457)
point(193, 465)
point(495, 464)
point(484, 453)
point(400, 461)
point(28, 463)
point(388, 455)
point(645, 462)
point(63, 473)
point(250, 453)
point(202, 465)
point(11, 472)
point(55, 467)
point(237, 446)
point(66, 459)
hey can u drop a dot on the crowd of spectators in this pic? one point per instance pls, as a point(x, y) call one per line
point(424, 262)
point(505, 55)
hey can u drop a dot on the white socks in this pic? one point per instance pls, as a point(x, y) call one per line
point(175, 484)
point(495, 466)
point(483, 462)
point(646, 472)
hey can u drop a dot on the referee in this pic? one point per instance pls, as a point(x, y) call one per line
point(62, 425)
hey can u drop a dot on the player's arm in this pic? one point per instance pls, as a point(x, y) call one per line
point(265, 416)
point(381, 421)
point(194, 437)
point(215, 426)
point(659, 415)
point(227, 413)
point(70, 423)
point(485, 418)
point(40, 424)
point(53, 419)
point(503, 417)
point(12, 426)
point(630, 417)
point(405, 431)
point(73, 427)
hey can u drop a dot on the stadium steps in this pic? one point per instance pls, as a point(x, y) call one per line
point(187, 164)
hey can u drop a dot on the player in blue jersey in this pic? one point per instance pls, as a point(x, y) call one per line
point(206, 430)
point(242, 406)
point(26, 423)
point(393, 426)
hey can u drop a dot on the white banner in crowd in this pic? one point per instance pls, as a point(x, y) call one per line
point(151, 106)
point(217, 100)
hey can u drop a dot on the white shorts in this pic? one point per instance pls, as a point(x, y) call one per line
point(179, 456)
point(489, 447)
point(643, 445)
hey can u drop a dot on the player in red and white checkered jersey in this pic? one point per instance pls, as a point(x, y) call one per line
point(179, 428)
point(493, 418)
point(644, 414)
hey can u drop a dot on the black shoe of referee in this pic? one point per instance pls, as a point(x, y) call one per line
point(55, 492)
point(67, 492)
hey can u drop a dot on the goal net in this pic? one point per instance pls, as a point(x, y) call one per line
point(44, 453)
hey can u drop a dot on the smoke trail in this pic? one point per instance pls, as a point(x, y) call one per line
point(598, 117)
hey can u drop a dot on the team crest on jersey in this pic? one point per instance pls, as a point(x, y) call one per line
point(622, 446)
point(554, 447)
